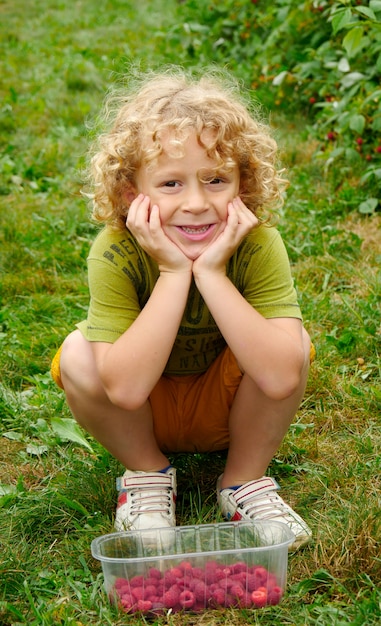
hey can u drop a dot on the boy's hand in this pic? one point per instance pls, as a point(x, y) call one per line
point(240, 221)
point(144, 223)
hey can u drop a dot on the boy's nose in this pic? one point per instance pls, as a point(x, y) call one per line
point(196, 199)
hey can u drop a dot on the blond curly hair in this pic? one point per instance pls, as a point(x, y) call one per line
point(178, 101)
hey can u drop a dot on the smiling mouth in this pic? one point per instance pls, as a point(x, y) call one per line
point(195, 230)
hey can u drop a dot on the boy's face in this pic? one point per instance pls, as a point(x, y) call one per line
point(193, 213)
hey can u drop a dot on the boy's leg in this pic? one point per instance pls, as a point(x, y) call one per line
point(257, 427)
point(147, 491)
point(127, 435)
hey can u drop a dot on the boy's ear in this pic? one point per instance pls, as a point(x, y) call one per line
point(129, 193)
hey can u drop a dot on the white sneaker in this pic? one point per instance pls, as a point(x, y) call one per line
point(146, 500)
point(258, 499)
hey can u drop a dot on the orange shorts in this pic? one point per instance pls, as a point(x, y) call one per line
point(190, 413)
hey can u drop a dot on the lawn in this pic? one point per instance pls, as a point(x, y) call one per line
point(57, 61)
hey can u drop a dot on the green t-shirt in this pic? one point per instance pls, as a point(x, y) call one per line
point(122, 277)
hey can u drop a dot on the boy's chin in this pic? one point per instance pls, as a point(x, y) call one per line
point(192, 255)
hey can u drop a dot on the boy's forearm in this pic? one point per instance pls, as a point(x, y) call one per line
point(269, 354)
point(132, 365)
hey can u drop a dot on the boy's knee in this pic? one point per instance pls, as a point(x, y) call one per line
point(77, 365)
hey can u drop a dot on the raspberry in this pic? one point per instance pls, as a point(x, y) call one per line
point(252, 582)
point(144, 606)
point(271, 581)
point(120, 583)
point(198, 572)
point(259, 597)
point(237, 591)
point(153, 572)
point(151, 580)
point(245, 602)
point(185, 566)
point(217, 597)
point(149, 590)
point(199, 590)
point(240, 578)
point(176, 571)
point(137, 581)
point(127, 604)
point(170, 578)
point(274, 595)
point(137, 593)
point(187, 599)
point(238, 568)
point(171, 597)
point(260, 575)
point(229, 601)
point(219, 574)
point(154, 599)
point(225, 584)
point(182, 583)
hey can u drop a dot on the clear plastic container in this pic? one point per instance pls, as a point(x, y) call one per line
point(191, 568)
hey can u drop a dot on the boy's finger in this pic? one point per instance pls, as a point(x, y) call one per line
point(142, 212)
point(131, 215)
point(154, 218)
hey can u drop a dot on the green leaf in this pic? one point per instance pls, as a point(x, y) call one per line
point(352, 41)
point(36, 450)
point(72, 504)
point(357, 123)
point(365, 11)
point(6, 489)
point(67, 429)
point(351, 155)
point(375, 5)
point(374, 96)
point(351, 79)
point(376, 124)
point(371, 173)
point(278, 80)
point(341, 18)
point(12, 434)
point(368, 206)
point(343, 65)
point(378, 63)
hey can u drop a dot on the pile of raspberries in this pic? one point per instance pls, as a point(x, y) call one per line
point(186, 587)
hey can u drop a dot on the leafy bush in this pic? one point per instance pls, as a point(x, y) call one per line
point(319, 58)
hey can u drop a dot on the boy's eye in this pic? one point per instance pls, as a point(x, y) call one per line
point(216, 181)
point(171, 183)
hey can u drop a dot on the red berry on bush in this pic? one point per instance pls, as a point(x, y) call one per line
point(359, 141)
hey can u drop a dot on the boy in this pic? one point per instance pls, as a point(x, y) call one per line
point(194, 339)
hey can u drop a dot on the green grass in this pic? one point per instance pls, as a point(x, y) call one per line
point(57, 60)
